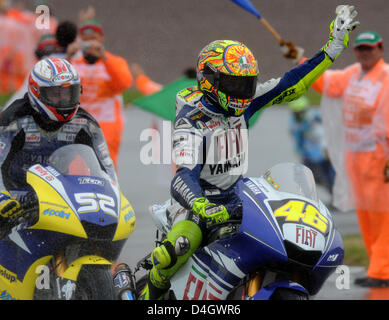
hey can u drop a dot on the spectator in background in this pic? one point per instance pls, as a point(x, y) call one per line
point(65, 34)
point(46, 46)
point(20, 36)
point(306, 127)
point(53, 46)
point(143, 83)
point(104, 77)
point(355, 108)
point(13, 41)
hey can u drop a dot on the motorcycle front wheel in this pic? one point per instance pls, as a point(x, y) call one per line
point(288, 294)
point(95, 283)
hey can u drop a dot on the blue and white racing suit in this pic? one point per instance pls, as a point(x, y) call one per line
point(25, 140)
point(210, 148)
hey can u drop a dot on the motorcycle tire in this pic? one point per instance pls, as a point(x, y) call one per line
point(95, 283)
point(288, 294)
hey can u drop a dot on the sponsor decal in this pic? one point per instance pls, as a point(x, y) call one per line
point(333, 257)
point(197, 116)
point(4, 295)
point(284, 95)
point(54, 172)
point(223, 168)
point(11, 277)
point(182, 124)
point(68, 137)
point(42, 172)
point(70, 128)
point(63, 77)
point(88, 180)
point(128, 215)
point(60, 214)
point(253, 187)
point(103, 148)
point(212, 124)
point(196, 290)
point(200, 125)
point(79, 121)
point(31, 128)
point(33, 137)
point(306, 236)
point(122, 280)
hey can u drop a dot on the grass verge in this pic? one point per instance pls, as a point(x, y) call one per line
point(355, 252)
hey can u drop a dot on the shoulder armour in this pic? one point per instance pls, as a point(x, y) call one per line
point(188, 96)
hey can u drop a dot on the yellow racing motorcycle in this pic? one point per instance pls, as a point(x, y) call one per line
point(74, 225)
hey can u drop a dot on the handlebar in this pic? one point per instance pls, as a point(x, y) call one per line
point(29, 203)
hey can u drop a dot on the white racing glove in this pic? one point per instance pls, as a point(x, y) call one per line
point(340, 30)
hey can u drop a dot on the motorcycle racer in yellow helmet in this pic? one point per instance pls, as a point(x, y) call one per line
point(209, 151)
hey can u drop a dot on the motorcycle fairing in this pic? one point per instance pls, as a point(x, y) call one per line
point(22, 247)
point(256, 214)
point(52, 196)
point(22, 288)
point(59, 223)
point(328, 262)
point(202, 278)
point(98, 206)
point(266, 292)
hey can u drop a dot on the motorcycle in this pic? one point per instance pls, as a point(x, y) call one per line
point(74, 225)
point(280, 244)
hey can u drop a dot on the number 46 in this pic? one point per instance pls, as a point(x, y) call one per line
point(94, 202)
point(295, 210)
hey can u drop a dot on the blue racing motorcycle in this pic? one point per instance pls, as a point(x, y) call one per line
point(280, 244)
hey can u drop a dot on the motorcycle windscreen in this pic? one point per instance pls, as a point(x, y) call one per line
point(292, 178)
point(77, 159)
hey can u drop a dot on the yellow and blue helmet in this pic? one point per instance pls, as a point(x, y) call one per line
point(227, 74)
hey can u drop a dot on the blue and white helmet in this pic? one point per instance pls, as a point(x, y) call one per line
point(54, 89)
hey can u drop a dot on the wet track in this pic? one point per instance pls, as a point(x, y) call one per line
point(269, 144)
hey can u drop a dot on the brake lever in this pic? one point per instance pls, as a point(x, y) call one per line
point(30, 205)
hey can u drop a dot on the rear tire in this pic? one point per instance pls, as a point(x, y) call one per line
point(95, 283)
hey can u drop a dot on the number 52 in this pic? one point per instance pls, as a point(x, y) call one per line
point(94, 202)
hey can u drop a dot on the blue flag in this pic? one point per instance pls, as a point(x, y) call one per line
point(247, 5)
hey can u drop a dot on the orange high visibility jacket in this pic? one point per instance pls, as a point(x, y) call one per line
point(103, 84)
point(147, 86)
point(361, 136)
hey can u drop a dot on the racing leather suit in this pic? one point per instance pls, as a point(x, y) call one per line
point(209, 150)
point(202, 129)
point(26, 140)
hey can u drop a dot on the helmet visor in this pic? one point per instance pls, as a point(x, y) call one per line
point(240, 87)
point(235, 86)
point(62, 97)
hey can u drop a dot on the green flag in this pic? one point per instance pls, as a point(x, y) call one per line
point(163, 103)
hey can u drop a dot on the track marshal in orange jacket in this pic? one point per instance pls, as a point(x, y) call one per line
point(357, 98)
point(104, 77)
